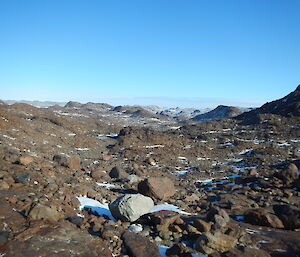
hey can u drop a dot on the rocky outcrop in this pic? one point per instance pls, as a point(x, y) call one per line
point(157, 187)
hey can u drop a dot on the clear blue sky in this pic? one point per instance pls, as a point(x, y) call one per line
point(183, 52)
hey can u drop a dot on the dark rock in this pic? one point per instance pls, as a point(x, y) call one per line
point(76, 220)
point(139, 246)
point(22, 178)
point(116, 173)
point(289, 215)
point(179, 250)
point(3, 237)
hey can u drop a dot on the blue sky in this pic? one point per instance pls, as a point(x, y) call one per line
point(187, 53)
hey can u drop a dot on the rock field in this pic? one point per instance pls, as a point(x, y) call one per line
point(97, 180)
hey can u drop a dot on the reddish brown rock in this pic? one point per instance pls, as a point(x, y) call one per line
point(161, 188)
point(261, 218)
point(139, 246)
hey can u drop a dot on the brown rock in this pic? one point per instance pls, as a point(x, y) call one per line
point(98, 174)
point(62, 239)
point(261, 218)
point(163, 219)
point(157, 187)
point(202, 225)
point(288, 175)
point(209, 243)
point(74, 163)
point(25, 160)
point(43, 212)
point(139, 246)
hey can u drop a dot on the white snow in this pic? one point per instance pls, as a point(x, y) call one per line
point(71, 134)
point(100, 208)
point(82, 149)
point(168, 207)
point(106, 185)
point(246, 152)
point(182, 158)
point(153, 146)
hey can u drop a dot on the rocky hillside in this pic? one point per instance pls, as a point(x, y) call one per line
point(287, 106)
point(82, 181)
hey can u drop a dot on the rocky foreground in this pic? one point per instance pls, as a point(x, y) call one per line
point(93, 181)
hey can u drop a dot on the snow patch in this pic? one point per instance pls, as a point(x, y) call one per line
point(100, 208)
point(168, 207)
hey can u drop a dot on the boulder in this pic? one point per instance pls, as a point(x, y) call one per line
point(139, 246)
point(116, 172)
point(288, 175)
point(209, 243)
point(130, 207)
point(161, 188)
point(261, 218)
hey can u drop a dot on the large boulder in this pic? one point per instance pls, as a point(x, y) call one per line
point(161, 188)
point(130, 207)
point(139, 246)
point(210, 243)
point(289, 174)
point(262, 218)
point(289, 215)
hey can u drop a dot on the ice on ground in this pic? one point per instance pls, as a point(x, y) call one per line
point(71, 134)
point(100, 208)
point(246, 152)
point(153, 146)
point(106, 185)
point(82, 149)
point(163, 249)
point(204, 181)
point(168, 207)
point(182, 158)
point(181, 172)
point(239, 217)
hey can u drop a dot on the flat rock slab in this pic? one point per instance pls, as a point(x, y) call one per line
point(61, 239)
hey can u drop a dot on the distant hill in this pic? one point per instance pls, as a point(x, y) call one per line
point(222, 111)
point(39, 104)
